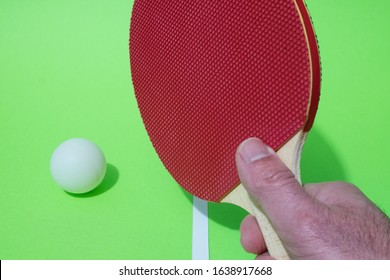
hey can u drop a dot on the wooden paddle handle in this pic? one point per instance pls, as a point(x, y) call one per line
point(290, 153)
point(239, 196)
point(272, 240)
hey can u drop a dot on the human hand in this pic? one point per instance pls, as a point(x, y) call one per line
point(332, 220)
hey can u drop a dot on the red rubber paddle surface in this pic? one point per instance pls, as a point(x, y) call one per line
point(209, 74)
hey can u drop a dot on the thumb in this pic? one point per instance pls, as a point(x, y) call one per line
point(271, 183)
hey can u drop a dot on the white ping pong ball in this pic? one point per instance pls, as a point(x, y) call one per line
point(78, 165)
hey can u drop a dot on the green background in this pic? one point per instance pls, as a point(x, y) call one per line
point(64, 73)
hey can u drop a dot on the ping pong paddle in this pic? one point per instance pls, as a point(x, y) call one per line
point(209, 74)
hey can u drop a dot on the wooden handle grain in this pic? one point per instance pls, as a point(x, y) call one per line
point(272, 241)
point(239, 196)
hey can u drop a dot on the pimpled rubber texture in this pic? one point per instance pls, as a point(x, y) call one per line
point(209, 74)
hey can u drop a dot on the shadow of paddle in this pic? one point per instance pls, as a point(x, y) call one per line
point(320, 162)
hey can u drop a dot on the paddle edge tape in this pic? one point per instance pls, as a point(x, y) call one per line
point(315, 62)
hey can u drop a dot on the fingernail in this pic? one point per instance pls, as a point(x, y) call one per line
point(254, 149)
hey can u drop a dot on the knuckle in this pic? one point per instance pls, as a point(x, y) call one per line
point(272, 180)
point(278, 178)
point(350, 189)
point(348, 186)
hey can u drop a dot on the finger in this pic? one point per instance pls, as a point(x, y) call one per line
point(264, 256)
point(271, 183)
point(251, 237)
